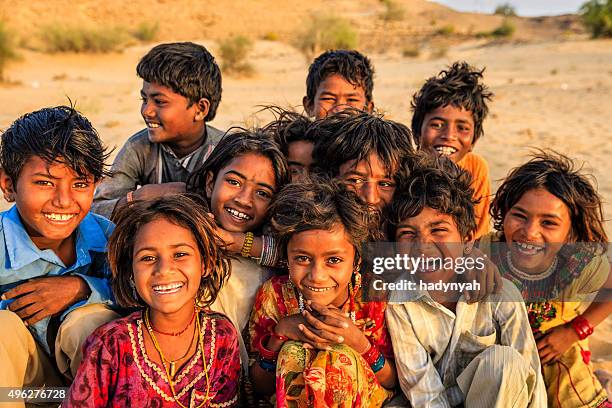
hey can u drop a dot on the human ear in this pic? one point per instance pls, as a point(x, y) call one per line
point(6, 184)
point(202, 108)
point(468, 243)
point(370, 107)
point(308, 106)
point(210, 183)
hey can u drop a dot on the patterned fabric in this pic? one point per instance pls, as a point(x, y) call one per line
point(117, 372)
point(312, 378)
point(570, 381)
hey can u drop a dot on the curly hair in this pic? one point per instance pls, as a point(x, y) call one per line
point(187, 211)
point(351, 65)
point(459, 86)
point(355, 135)
point(437, 183)
point(321, 204)
point(59, 133)
point(288, 127)
point(186, 68)
point(557, 174)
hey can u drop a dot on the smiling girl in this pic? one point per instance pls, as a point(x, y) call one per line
point(239, 181)
point(166, 259)
point(549, 216)
point(311, 329)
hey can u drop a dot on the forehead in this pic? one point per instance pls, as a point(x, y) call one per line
point(253, 166)
point(337, 84)
point(173, 233)
point(57, 168)
point(541, 202)
point(427, 217)
point(451, 112)
point(322, 240)
point(372, 167)
point(153, 88)
point(299, 149)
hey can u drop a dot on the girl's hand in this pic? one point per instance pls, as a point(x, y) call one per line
point(335, 327)
point(555, 342)
point(295, 327)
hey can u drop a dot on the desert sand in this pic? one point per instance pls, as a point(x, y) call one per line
point(550, 93)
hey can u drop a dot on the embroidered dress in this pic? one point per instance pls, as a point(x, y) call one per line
point(315, 378)
point(570, 381)
point(117, 372)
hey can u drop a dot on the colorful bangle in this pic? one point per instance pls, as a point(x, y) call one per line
point(379, 364)
point(582, 327)
point(279, 337)
point(263, 351)
point(371, 355)
point(267, 365)
point(247, 244)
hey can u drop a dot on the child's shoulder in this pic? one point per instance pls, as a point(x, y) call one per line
point(94, 225)
point(213, 134)
point(474, 163)
point(223, 325)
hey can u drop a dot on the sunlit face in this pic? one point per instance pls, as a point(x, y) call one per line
point(535, 228)
point(334, 95)
point(434, 235)
point(169, 116)
point(167, 267)
point(299, 158)
point(370, 179)
point(241, 193)
point(448, 131)
point(321, 264)
point(52, 200)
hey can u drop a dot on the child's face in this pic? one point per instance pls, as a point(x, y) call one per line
point(52, 200)
point(241, 193)
point(370, 180)
point(167, 272)
point(448, 131)
point(434, 235)
point(335, 94)
point(299, 158)
point(535, 229)
point(169, 117)
point(321, 264)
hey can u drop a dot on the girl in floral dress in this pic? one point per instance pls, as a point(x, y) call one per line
point(166, 260)
point(551, 244)
point(316, 343)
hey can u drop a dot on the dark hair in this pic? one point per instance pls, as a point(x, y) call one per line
point(234, 144)
point(354, 135)
point(58, 134)
point(182, 210)
point(288, 127)
point(353, 66)
point(437, 183)
point(186, 68)
point(320, 204)
point(557, 174)
point(459, 86)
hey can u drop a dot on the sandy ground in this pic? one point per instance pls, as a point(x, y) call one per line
point(553, 94)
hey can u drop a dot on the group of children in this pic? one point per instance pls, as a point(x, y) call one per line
point(232, 270)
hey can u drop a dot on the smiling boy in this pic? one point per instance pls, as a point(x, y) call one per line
point(448, 115)
point(181, 91)
point(339, 79)
point(52, 264)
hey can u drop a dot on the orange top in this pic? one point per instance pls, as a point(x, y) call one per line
point(477, 167)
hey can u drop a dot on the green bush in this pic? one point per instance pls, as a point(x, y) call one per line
point(233, 52)
point(597, 17)
point(271, 36)
point(326, 32)
point(411, 51)
point(61, 38)
point(505, 9)
point(506, 29)
point(446, 30)
point(146, 31)
point(393, 11)
point(7, 48)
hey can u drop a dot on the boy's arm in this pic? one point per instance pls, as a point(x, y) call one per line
point(417, 374)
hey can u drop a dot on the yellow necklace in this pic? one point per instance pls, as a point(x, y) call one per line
point(163, 359)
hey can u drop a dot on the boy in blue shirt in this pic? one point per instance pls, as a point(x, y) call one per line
point(181, 90)
point(54, 281)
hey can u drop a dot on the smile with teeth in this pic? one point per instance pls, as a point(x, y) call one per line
point(238, 215)
point(445, 150)
point(152, 125)
point(313, 289)
point(168, 288)
point(59, 217)
point(528, 249)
